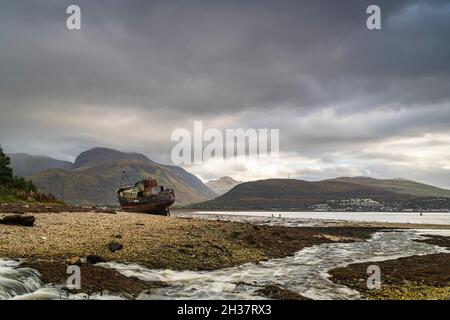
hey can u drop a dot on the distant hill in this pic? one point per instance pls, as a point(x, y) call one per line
point(293, 194)
point(25, 164)
point(96, 174)
point(97, 156)
point(401, 186)
point(222, 185)
point(192, 181)
point(14, 188)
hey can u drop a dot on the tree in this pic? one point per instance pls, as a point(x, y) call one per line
point(6, 174)
point(20, 183)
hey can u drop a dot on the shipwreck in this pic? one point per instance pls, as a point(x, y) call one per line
point(146, 196)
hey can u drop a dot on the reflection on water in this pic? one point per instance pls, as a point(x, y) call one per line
point(304, 273)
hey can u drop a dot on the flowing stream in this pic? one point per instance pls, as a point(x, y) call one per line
point(16, 281)
point(304, 273)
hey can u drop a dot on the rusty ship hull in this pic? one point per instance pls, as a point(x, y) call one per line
point(158, 204)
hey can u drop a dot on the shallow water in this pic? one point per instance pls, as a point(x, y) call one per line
point(16, 281)
point(309, 218)
point(304, 273)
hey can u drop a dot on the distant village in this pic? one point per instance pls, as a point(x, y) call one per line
point(367, 204)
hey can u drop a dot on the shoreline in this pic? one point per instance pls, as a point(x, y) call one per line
point(316, 222)
point(390, 219)
point(159, 242)
point(163, 242)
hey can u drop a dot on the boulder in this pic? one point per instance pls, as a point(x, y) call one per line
point(93, 259)
point(26, 220)
point(73, 261)
point(115, 246)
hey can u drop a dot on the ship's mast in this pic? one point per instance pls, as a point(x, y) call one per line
point(124, 175)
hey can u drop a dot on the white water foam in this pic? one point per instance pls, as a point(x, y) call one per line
point(306, 272)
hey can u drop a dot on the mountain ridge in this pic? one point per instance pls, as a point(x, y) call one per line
point(222, 185)
point(96, 174)
point(398, 185)
point(287, 194)
point(25, 164)
point(100, 155)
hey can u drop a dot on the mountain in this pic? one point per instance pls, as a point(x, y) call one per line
point(192, 181)
point(97, 156)
point(97, 173)
point(293, 194)
point(25, 164)
point(222, 185)
point(401, 186)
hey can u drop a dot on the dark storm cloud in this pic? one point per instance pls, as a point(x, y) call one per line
point(202, 57)
point(263, 63)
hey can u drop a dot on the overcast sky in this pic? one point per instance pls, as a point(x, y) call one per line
point(347, 100)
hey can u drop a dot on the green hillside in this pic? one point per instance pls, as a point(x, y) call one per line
point(292, 194)
point(401, 186)
point(97, 185)
point(25, 164)
point(7, 197)
point(17, 189)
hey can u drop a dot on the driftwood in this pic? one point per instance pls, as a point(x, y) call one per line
point(18, 220)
